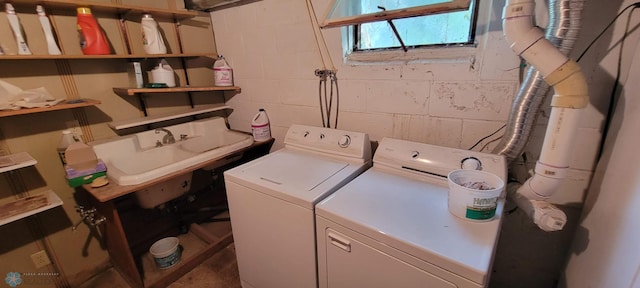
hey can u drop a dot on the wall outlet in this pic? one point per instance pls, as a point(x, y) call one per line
point(74, 126)
point(40, 259)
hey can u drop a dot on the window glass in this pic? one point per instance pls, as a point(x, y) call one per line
point(437, 29)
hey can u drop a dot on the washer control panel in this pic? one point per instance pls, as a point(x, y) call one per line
point(327, 140)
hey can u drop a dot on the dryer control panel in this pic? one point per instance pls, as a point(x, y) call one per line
point(432, 160)
point(331, 141)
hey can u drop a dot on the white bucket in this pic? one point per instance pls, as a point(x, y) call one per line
point(474, 204)
point(166, 252)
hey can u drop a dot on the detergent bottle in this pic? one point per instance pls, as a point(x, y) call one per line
point(92, 39)
point(151, 37)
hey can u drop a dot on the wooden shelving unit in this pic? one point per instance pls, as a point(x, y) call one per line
point(16, 161)
point(13, 210)
point(135, 91)
point(110, 56)
point(24, 207)
point(186, 89)
point(199, 244)
point(64, 105)
point(109, 7)
point(129, 123)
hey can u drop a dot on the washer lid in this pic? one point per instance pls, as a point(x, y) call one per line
point(299, 177)
point(412, 216)
point(297, 171)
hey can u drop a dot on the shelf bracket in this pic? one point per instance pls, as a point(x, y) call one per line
point(143, 104)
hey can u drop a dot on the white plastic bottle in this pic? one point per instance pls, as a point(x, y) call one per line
point(14, 22)
point(151, 36)
point(52, 47)
point(222, 72)
point(67, 139)
point(260, 126)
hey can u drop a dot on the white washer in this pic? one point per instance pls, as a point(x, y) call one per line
point(390, 227)
point(272, 199)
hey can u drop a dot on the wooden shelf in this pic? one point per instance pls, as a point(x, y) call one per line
point(214, 5)
point(110, 7)
point(64, 105)
point(129, 123)
point(135, 91)
point(111, 56)
point(21, 208)
point(16, 161)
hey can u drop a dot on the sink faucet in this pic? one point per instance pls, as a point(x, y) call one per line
point(168, 138)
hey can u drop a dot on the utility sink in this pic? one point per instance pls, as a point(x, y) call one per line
point(145, 156)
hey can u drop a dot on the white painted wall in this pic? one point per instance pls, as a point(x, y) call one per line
point(605, 250)
point(271, 46)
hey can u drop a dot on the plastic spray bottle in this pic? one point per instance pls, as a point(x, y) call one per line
point(92, 39)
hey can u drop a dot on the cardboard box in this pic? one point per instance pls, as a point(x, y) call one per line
point(86, 179)
point(83, 166)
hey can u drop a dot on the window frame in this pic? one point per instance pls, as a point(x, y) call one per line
point(330, 22)
point(452, 54)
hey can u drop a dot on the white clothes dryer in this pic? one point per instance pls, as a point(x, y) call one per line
point(272, 199)
point(391, 227)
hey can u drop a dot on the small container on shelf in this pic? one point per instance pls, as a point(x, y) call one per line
point(222, 72)
point(151, 37)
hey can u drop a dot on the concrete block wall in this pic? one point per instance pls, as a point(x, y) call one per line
point(447, 101)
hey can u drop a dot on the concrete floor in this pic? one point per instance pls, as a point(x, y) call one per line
point(219, 271)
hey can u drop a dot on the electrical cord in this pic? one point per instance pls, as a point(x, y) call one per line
point(487, 144)
point(612, 98)
point(614, 90)
point(485, 137)
point(634, 6)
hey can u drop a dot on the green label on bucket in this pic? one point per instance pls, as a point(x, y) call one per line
point(478, 213)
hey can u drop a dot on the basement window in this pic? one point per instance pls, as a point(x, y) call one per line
point(396, 25)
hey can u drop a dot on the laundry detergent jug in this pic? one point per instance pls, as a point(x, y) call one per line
point(163, 73)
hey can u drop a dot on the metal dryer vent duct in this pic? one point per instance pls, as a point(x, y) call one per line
point(562, 31)
point(551, 64)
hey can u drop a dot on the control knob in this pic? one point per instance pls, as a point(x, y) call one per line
point(344, 141)
point(471, 163)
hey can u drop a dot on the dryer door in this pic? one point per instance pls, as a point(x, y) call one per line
point(350, 263)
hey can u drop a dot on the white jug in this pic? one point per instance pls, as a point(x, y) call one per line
point(163, 74)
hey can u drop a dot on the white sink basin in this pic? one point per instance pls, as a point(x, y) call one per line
point(134, 159)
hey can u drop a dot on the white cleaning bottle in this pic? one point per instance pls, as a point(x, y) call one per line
point(151, 37)
point(260, 126)
point(23, 49)
point(67, 139)
point(222, 72)
point(52, 47)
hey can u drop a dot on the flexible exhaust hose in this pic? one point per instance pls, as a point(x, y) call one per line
point(562, 31)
